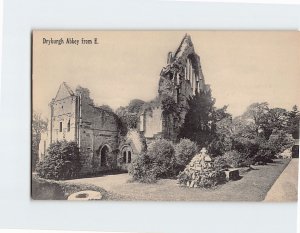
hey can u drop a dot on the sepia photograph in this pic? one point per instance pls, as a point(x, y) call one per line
point(165, 115)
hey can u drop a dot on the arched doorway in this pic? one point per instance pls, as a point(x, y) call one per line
point(103, 155)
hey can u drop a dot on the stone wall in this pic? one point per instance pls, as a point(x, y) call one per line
point(152, 122)
point(134, 143)
point(74, 117)
point(63, 119)
point(98, 129)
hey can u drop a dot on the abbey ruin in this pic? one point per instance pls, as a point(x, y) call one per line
point(74, 116)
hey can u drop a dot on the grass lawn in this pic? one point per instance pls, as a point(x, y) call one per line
point(253, 186)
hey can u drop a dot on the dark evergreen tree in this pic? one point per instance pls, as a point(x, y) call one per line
point(199, 124)
point(293, 122)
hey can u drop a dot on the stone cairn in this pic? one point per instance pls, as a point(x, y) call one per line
point(199, 165)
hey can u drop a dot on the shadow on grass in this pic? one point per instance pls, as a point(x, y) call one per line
point(238, 178)
point(43, 189)
point(100, 174)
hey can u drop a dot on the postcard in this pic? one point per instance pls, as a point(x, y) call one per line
point(165, 115)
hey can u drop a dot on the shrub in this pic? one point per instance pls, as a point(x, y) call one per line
point(245, 146)
point(265, 154)
point(61, 162)
point(219, 146)
point(162, 153)
point(184, 152)
point(220, 163)
point(142, 169)
point(280, 141)
point(158, 162)
point(235, 159)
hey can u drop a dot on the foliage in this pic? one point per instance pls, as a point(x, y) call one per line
point(142, 169)
point(61, 162)
point(221, 163)
point(279, 141)
point(158, 162)
point(84, 94)
point(106, 108)
point(39, 125)
point(235, 159)
point(248, 147)
point(135, 105)
point(168, 104)
point(258, 114)
point(293, 122)
point(219, 145)
point(198, 124)
point(264, 155)
point(129, 115)
point(261, 132)
point(162, 153)
point(184, 152)
point(222, 140)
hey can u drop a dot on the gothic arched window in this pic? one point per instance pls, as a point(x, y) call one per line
point(126, 154)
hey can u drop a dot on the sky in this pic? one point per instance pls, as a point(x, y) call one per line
point(242, 67)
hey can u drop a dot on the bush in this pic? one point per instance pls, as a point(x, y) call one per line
point(280, 141)
point(220, 163)
point(235, 159)
point(184, 152)
point(265, 154)
point(61, 162)
point(219, 146)
point(142, 169)
point(162, 153)
point(245, 146)
point(158, 162)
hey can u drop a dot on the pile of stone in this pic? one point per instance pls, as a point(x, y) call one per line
point(200, 172)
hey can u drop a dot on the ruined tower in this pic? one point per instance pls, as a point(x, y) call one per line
point(180, 79)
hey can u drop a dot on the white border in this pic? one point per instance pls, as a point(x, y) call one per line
point(16, 208)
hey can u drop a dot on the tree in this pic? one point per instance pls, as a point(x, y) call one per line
point(258, 114)
point(39, 125)
point(135, 105)
point(222, 132)
point(293, 122)
point(106, 108)
point(84, 94)
point(61, 162)
point(198, 125)
point(129, 115)
point(277, 118)
point(279, 141)
point(185, 150)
